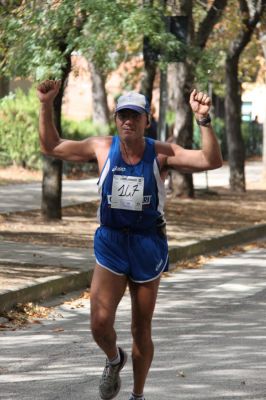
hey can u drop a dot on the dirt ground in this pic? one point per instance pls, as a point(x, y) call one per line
point(14, 174)
point(208, 214)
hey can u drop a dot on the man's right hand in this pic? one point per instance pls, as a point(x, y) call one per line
point(48, 90)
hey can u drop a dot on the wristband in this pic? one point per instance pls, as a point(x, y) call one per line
point(204, 121)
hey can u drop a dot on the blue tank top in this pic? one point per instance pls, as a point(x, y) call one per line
point(153, 199)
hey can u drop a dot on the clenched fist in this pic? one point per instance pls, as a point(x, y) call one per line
point(200, 103)
point(48, 90)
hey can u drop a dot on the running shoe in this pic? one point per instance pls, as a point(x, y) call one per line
point(110, 382)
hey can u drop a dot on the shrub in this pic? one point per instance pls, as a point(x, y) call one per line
point(219, 129)
point(19, 141)
point(78, 130)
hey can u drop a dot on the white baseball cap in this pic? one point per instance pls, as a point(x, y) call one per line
point(134, 101)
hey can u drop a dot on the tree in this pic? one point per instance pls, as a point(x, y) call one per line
point(52, 167)
point(183, 72)
point(263, 43)
point(107, 33)
point(150, 57)
point(100, 111)
point(4, 86)
point(6, 8)
point(250, 14)
point(47, 33)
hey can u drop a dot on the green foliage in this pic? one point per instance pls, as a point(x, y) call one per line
point(19, 141)
point(36, 37)
point(251, 133)
point(219, 128)
point(114, 32)
point(221, 44)
point(210, 61)
point(78, 130)
point(170, 117)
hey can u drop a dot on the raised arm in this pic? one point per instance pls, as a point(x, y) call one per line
point(50, 141)
point(209, 156)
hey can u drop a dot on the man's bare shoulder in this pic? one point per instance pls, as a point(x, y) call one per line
point(98, 143)
point(101, 140)
point(164, 148)
point(101, 145)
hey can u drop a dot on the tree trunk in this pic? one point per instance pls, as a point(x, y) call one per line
point(183, 78)
point(150, 57)
point(183, 128)
point(251, 12)
point(263, 44)
point(235, 143)
point(100, 111)
point(264, 148)
point(51, 188)
point(52, 167)
point(163, 106)
point(4, 86)
point(218, 106)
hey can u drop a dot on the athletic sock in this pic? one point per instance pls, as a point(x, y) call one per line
point(116, 360)
point(137, 396)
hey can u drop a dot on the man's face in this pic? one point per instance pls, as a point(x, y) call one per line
point(130, 123)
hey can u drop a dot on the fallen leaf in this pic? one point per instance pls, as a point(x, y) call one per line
point(181, 374)
point(58, 330)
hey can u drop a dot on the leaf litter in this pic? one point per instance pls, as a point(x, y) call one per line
point(24, 314)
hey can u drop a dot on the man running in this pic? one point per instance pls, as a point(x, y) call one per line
point(130, 244)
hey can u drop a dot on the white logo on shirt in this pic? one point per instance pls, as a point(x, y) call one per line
point(116, 168)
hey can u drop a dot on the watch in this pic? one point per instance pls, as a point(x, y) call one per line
point(205, 121)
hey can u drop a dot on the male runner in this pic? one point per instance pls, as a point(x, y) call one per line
point(130, 244)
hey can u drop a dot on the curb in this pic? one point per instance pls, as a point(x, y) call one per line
point(45, 290)
point(81, 280)
point(215, 244)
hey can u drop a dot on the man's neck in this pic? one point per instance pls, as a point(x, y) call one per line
point(132, 152)
point(133, 147)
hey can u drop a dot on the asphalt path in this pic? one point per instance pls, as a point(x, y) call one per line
point(209, 334)
point(27, 196)
point(24, 197)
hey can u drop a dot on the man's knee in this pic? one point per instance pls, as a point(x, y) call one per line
point(101, 325)
point(141, 333)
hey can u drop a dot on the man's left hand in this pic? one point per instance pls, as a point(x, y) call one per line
point(200, 103)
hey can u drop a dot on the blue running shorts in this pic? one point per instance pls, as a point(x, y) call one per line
point(140, 256)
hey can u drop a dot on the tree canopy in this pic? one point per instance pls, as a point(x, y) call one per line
point(35, 36)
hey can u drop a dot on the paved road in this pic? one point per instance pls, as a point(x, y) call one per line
point(220, 177)
point(28, 196)
point(209, 332)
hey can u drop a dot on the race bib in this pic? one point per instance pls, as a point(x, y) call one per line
point(127, 192)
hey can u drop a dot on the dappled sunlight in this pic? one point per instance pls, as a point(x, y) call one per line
point(208, 329)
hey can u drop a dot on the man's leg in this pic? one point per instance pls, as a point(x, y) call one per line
point(143, 296)
point(107, 289)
